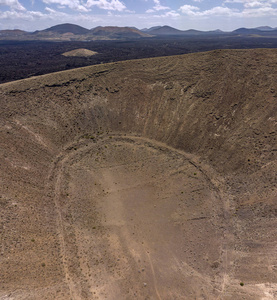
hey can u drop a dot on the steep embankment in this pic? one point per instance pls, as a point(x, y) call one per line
point(148, 179)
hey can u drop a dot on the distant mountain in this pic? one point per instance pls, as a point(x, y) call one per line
point(164, 30)
point(167, 30)
point(118, 32)
point(72, 32)
point(67, 28)
point(265, 28)
point(247, 31)
point(15, 32)
point(194, 32)
point(149, 29)
point(256, 31)
point(217, 31)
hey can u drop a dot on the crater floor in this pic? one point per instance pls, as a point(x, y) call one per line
point(128, 206)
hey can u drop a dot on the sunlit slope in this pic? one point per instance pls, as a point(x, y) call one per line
point(151, 178)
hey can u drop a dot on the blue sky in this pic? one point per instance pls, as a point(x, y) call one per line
point(227, 15)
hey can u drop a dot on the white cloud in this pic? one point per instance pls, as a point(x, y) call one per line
point(107, 5)
point(189, 9)
point(172, 13)
point(33, 16)
point(259, 12)
point(35, 20)
point(13, 4)
point(157, 7)
point(169, 14)
point(219, 11)
point(194, 11)
point(253, 3)
point(50, 10)
point(21, 15)
point(256, 8)
point(72, 4)
point(16, 19)
point(250, 8)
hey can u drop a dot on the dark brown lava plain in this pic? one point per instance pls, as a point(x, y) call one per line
point(146, 179)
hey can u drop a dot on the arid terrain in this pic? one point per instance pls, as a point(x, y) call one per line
point(144, 179)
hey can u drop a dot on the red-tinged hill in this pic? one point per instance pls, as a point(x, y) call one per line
point(118, 32)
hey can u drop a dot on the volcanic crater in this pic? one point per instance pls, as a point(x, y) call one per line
point(143, 179)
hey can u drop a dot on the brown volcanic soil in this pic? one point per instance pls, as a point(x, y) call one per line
point(146, 179)
point(80, 52)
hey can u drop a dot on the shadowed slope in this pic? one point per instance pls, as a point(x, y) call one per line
point(165, 164)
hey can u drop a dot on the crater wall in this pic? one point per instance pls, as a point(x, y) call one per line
point(210, 116)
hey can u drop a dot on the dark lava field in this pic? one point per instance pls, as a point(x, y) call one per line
point(20, 60)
